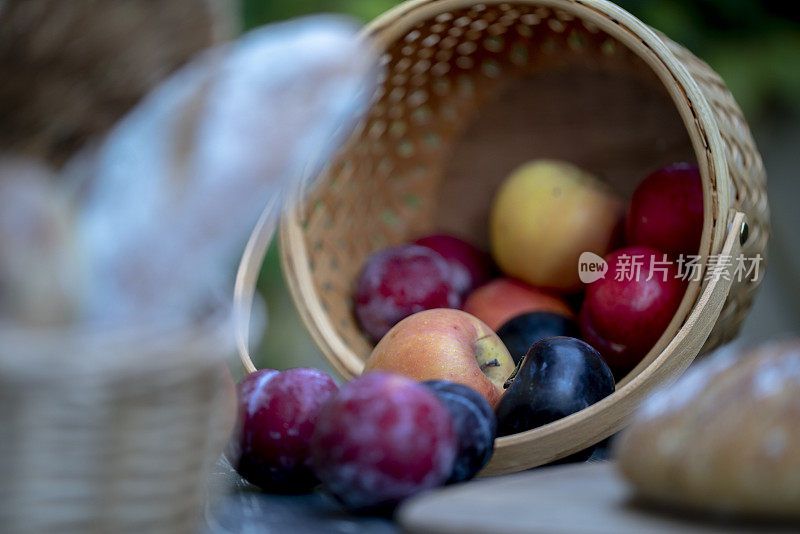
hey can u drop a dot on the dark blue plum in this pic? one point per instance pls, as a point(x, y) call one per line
point(520, 333)
point(475, 425)
point(559, 376)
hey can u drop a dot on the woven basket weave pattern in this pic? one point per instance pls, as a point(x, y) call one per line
point(749, 181)
point(111, 448)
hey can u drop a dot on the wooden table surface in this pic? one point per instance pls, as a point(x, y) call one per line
point(588, 498)
point(578, 498)
point(236, 507)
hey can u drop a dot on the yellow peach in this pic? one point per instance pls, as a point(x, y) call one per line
point(544, 216)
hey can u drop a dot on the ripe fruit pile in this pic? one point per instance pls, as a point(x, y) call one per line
point(378, 440)
point(461, 357)
point(544, 217)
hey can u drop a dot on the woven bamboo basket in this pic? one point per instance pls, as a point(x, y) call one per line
point(470, 91)
point(111, 431)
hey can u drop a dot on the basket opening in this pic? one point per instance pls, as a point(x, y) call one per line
point(465, 80)
point(467, 95)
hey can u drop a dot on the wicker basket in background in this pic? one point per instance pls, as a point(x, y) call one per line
point(111, 432)
point(470, 91)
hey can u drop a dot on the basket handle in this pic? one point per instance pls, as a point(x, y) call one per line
point(244, 289)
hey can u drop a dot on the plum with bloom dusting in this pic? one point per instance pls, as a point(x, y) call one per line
point(398, 282)
point(278, 412)
point(383, 438)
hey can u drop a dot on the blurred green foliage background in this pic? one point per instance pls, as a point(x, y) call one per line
point(754, 45)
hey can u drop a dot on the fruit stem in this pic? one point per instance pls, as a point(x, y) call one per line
point(490, 363)
point(513, 375)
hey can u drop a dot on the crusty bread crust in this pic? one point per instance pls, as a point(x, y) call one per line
point(723, 439)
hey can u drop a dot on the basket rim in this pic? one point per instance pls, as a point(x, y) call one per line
point(695, 111)
point(702, 303)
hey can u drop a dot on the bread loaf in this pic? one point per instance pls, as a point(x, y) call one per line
point(725, 438)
